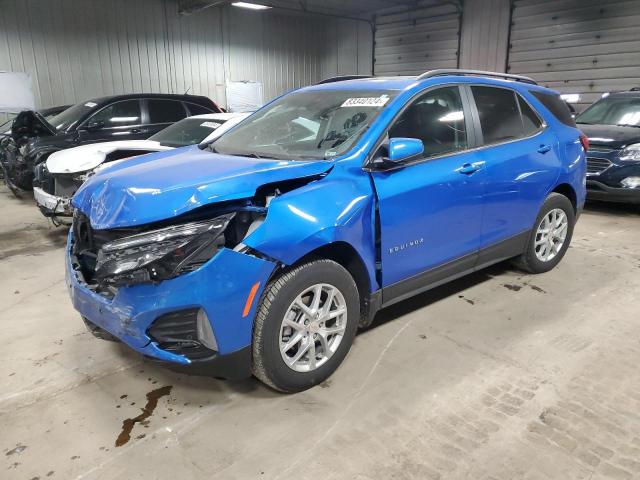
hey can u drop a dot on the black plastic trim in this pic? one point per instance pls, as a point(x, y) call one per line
point(454, 269)
point(600, 191)
point(233, 366)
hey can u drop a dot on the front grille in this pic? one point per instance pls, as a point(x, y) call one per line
point(596, 166)
point(65, 186)
point(43, 179)
point(177, 332)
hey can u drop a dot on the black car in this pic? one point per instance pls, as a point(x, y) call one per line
point(47, 113)
point(613, 161)
point(122, 117)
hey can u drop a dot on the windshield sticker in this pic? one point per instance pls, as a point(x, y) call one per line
point(90, 104)
point(366, 102)
point(212, 125)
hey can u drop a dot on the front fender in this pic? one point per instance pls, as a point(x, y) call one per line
point(337, 208)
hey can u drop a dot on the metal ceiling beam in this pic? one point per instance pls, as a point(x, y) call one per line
point(187, 7)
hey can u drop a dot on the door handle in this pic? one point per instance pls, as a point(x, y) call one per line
point(136, 130)
point(470, 168)
point(544, 149)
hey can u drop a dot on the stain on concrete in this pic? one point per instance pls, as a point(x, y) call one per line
point(513, 288)
point(19, 449)
point(152, 402)
point(537, 289)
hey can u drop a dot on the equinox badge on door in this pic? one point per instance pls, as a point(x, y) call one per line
point(413, 243)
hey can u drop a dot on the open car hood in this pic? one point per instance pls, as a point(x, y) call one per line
point(29, 124)
point(88, 157)
point(163, 185)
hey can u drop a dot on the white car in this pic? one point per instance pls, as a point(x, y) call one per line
point(57, 179)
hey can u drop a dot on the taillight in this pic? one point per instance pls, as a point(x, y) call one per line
point(584, 140)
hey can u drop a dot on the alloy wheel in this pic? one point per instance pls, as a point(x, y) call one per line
point(313, 327)
point(551, 235)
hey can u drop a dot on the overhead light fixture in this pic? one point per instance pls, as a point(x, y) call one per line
point(251, 6)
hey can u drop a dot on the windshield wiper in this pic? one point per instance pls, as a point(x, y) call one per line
point(627, 125)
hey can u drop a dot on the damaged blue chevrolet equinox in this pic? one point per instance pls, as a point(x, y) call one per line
point(263, 252)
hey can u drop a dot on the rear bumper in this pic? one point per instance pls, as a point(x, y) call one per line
point(51, 205)
point(599, 191)
point(220, 288)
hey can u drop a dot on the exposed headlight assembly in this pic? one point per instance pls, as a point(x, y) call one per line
point(631, 153)
point(161, 254)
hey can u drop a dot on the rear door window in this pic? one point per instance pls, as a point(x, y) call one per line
point(499, 114)
point(165, 111)
point(119, 114)
point(556, 106)
point(530, 119)
point(195, 109)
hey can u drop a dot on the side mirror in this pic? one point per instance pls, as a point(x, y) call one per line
point(402, 149)
point(93, 126)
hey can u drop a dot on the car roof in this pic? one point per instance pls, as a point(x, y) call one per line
point(629, 94)
point(402, 83)
point(219, 116)
point(172, 96)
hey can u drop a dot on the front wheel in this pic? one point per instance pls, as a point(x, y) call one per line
point(305, 326)
point(550, 237)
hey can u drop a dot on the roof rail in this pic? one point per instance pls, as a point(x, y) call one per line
point(343, 78)
point(507, 76)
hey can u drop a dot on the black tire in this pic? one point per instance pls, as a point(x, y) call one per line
point(98, 332)
point(528, 261)
point(268, 364)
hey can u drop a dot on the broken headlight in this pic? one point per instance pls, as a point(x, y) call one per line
point(161, 254)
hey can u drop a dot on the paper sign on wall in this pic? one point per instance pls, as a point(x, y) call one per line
point(15, 92)
point(244, 96)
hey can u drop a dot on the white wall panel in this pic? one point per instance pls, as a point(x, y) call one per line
point(79, 49)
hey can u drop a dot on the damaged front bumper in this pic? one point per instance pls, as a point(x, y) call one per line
point(220, 288)
point(52, 206)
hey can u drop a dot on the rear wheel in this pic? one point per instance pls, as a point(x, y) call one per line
point(550, 237)
point(305, 326)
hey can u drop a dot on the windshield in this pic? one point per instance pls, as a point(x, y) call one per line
point(187, 132)
point(622, 111)
point(71, 116)
point(306, 125)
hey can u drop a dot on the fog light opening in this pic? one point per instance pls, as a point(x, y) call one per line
point(205, 332)
point(631, 182)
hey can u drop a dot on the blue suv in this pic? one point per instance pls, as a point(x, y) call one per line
point(263, 252)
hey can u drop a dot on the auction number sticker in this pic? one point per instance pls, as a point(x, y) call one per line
point(366, 101)
point(90, 104)
point(212, 125)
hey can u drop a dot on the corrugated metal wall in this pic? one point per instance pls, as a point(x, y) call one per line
point(412, 40)
point(577, 46)
point(485, 34)
point(78, 49)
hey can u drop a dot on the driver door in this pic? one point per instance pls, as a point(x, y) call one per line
point(431, 209)
point(118, 121)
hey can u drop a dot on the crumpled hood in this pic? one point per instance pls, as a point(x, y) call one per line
point(611, 135)
point(88, 157)
point(30, 124)
point(163, 185)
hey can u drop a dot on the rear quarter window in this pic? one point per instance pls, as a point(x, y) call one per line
point(556, 106)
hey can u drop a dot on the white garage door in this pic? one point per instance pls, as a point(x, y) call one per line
point(577, 46)
point(412, 42)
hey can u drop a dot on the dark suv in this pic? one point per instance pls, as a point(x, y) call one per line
point(613, 164)
point(122, 117)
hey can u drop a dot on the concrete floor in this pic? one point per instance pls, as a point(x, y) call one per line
point(499, 375)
